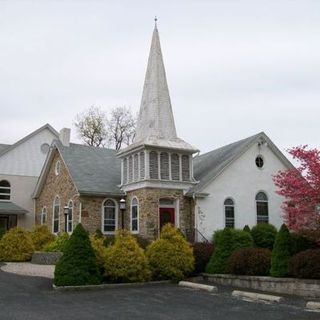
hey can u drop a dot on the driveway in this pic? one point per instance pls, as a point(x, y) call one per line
point(23, 297)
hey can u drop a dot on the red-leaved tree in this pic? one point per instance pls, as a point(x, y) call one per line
point(301, 190)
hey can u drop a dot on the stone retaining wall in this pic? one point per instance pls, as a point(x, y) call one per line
point(46, 258)
point(298, 287)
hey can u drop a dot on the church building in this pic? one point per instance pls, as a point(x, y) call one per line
point(159, 177)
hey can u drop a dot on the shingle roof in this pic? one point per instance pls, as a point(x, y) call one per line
point(11, 208)
point(93, 170)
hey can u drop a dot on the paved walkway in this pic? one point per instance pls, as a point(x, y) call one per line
point(29, 269)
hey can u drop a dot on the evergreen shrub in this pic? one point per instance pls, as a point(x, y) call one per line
point(58, 244)
point(250, 261)
point(202, 252)
point(170, 256)
point(299, 242)
point(100, 251)
point(281, 253)
point(125, 260)
point(16, 245)
point(306, 264)
point(41, 236)
point(227, 241)
point(247, 228)
point(264, 235)
point(78, 265)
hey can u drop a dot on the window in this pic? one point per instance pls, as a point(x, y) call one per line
point(229, 213)
point(110, 218)
point(70, 217)
point(56, 215)
point(130, 169)
point(136, 167)
point(259, 161)
point(125, 171)
point(142, 168)
point(262, 208)
point(44, 215)
point(154, 173)
point(185, 168)
point(175, 167)
point(57, 168)
point(164, 165)
point(134, 215)
point(5, 190)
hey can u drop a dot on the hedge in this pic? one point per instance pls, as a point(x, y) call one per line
point(264, 235)
point(306, 264)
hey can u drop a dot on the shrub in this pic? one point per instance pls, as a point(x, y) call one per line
point(202, 252)
point(41, 236)
point(99, 251)
point(306, 264)
point(125, 260)
point(16, 245)
point(170, 256)
point(142, 241)
point(299, 242)
point(247, 228)
point(98, 234)
point(264, 235)
point(281, 253)
point(78, 265)
point(2, 232)
point(250, 261)
point(108, 240)
point(313, 236)
point(59, 243)
point(226, 242)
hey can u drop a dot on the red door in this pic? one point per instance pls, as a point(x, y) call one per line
point(166, 216)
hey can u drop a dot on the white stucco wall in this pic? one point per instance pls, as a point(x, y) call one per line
point(21, 190)
point(26, 159)
point(241, 181)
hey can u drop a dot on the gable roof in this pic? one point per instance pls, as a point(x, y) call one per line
point(93, 170)
point(210, 165)
point(10, 147)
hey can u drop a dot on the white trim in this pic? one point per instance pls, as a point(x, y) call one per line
point(116, 216)
point(53, 206)
point(138, 216)
point(41, 217)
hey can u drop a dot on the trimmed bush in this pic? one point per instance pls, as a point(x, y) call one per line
point(226, 242)
point(202, 252)
point(16, 245)
point(247, 228)
point(281, 253)
point(300, 242)
point(250, 261)
point(59, 243)
point(78, 265)
point(41, 236)
point(125, 260)
point(99, 250)
point(306, 264)
point(264, 235)
point(170, 256)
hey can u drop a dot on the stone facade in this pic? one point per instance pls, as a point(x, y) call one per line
point(149, 203)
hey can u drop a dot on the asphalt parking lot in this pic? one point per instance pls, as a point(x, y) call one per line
point(26, 298)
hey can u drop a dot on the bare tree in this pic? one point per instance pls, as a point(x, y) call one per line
point(96, 129)
point(91, 126)
point(121, 127)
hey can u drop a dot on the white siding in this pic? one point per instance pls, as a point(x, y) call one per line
point(241, 181)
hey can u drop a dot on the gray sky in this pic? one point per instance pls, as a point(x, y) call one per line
point(234, 68)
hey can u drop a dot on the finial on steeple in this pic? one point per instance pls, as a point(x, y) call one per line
point(155, 21)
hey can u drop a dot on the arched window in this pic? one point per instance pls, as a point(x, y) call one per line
point(5, 190)
point(154, 171)
point(110, 216)
point(70, 217)
point(164, 165)
point(44, 215)
point(229, 213)
point(134, 215)
point(185, 168)
point(175, 167)
point(262, 208)
point(56, 215)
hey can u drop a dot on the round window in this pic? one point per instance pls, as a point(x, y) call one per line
point(45, 148)
point(57, 168)
point(259, 161)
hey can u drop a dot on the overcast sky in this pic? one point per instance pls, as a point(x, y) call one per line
point(234, 68)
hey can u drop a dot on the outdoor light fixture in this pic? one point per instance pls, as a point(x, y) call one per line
point(122, 209)
point(66, 213)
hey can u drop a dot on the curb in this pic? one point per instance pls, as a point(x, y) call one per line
point(200, 286)
point(256, 296)
point(108, 286)
point(312, 305)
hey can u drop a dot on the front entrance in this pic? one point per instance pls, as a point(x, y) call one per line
point(166, 216)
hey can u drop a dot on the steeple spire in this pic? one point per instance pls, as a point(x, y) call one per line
point(155, 118)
